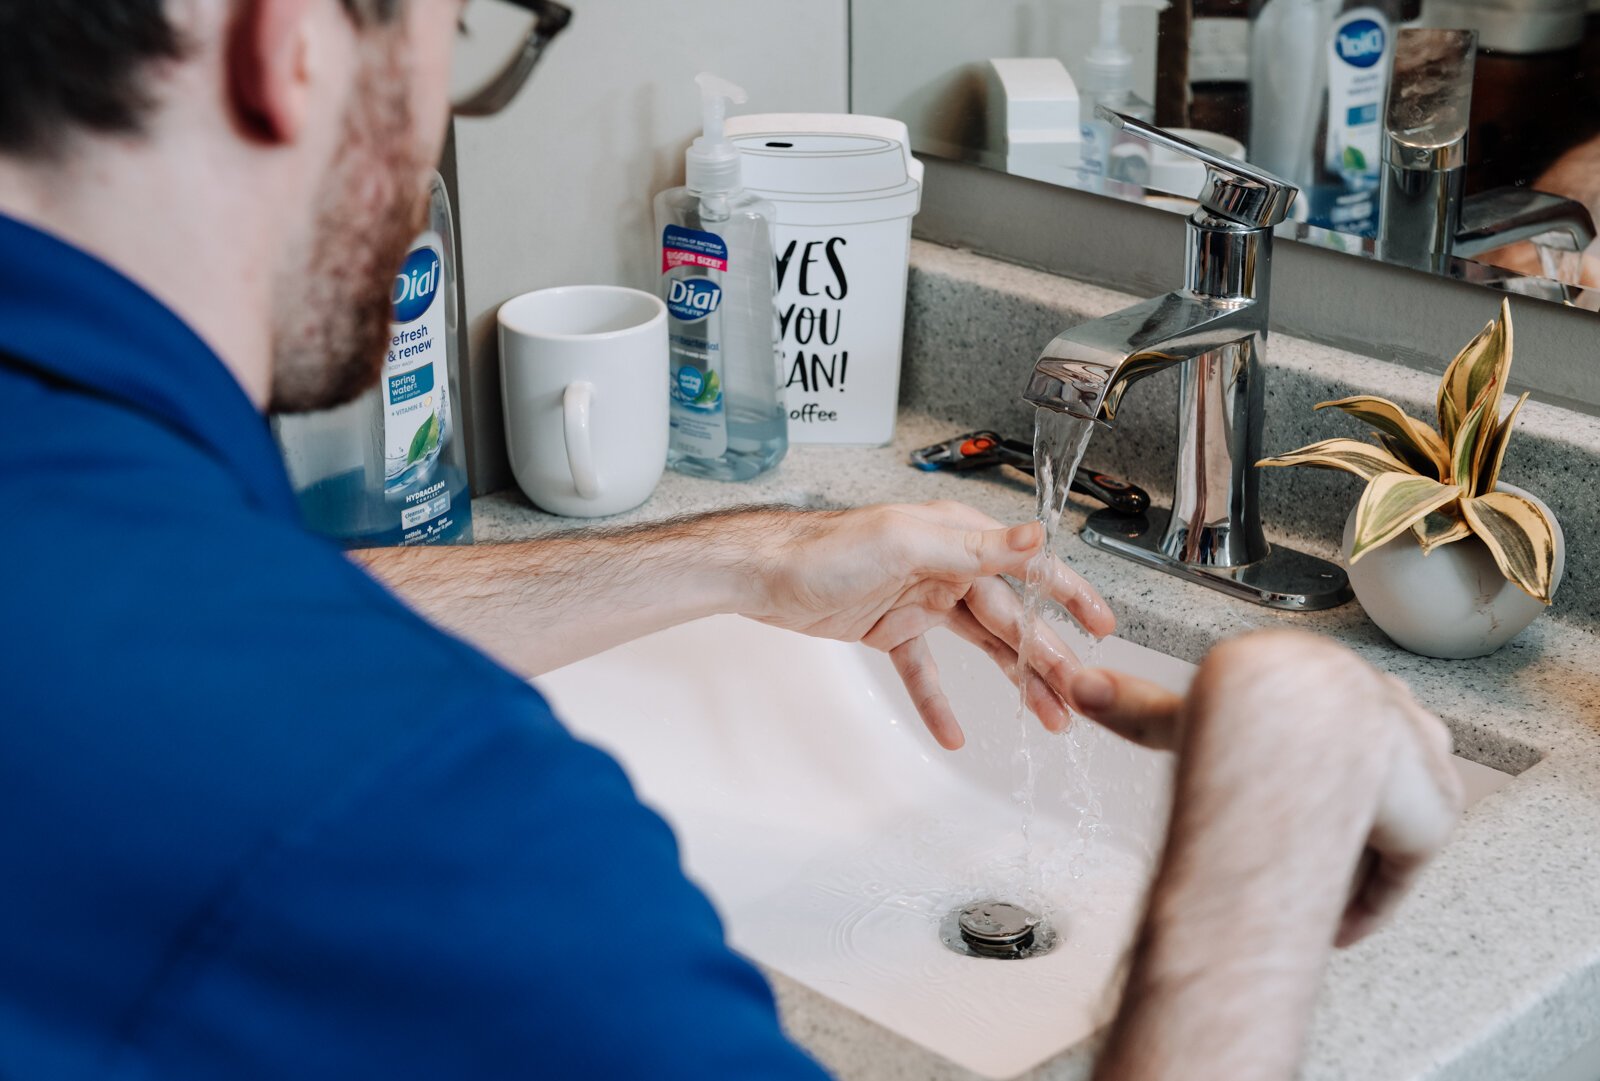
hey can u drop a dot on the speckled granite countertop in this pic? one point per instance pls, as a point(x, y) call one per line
point(1492, 972)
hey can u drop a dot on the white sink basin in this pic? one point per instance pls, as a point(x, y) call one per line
point(834, 835)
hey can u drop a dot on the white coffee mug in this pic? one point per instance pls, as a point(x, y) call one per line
point(583, 379)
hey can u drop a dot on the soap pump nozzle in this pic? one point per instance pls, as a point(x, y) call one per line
point(712, 163)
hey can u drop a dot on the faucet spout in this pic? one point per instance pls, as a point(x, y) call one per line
point(1086, 369)
point(1217, 344)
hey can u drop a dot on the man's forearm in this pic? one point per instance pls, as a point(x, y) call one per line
point(1268, 827)
point(536, 605)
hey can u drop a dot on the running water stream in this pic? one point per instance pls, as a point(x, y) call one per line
point(1059, 442)
point(928, 865)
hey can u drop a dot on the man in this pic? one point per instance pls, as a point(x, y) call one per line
point(260, 819)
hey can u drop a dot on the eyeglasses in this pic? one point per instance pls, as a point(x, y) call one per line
point(497, 44)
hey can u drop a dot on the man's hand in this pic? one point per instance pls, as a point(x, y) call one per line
point(886, 575)
point(1290, 681)
point(1310, 791)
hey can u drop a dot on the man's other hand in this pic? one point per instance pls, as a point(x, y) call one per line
point(1297, 686)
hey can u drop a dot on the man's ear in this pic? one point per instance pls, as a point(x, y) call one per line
point(271, 59)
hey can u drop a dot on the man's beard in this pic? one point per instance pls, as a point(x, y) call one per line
point(331, 323)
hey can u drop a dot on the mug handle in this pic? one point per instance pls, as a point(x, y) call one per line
point(580, 449)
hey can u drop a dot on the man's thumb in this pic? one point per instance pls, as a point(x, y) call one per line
point(1133, 708)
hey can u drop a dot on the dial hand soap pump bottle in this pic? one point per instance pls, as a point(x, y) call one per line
point(717, 278)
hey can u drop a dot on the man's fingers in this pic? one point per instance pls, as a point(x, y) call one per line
point(1045, 704)
point(1423, 797)
point(1133, 708)
point(1384, 884)
point(998, 608)
point(1042, 700)
point(950, 512)
point(1081, 600)
point(966, 554)
point(901, 625)
point(914, 663)
point(985, 547)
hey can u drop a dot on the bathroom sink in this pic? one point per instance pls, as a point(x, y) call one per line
point(835, 836)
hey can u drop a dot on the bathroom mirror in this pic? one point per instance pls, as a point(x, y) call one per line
point(1483, 112)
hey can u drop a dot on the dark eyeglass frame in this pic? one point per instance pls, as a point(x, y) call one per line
point(550, 19)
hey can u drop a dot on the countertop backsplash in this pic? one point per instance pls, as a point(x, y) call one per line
point(974, 327)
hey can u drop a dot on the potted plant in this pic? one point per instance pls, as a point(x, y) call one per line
point(1446, 558)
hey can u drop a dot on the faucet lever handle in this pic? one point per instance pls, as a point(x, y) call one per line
point(1234, 189)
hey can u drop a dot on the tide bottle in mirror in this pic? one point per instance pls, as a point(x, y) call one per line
point(717, 279)
point(390, 468)
point(1319, 73)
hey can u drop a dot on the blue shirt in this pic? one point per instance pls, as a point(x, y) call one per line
point(258, 819)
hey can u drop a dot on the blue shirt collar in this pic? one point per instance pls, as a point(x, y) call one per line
point(79, 321)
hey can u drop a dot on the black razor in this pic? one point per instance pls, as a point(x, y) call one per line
point(982, 450)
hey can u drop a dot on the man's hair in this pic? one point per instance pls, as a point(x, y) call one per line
point(68, 64)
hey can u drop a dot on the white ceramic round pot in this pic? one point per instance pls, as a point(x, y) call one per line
point(1452, 603)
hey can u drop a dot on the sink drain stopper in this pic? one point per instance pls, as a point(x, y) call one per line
point(997, 929)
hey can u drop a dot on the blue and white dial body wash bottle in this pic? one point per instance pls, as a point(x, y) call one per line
point(390, 468)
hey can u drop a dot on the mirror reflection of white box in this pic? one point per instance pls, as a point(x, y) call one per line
point(845, 189)
point(1033, 114)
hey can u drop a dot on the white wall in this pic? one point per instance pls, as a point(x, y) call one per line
point(922, 61)
point(557, 189)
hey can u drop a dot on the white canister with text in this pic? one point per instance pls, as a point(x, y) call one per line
point(845, 189)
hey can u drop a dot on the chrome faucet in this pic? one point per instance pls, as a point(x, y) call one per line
point(1214, 330)
point(1424, 219)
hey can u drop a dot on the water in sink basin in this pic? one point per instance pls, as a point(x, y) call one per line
point(833, 834)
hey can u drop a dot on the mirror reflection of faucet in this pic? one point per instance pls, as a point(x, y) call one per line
point(1214, 331)
point(1425, 220)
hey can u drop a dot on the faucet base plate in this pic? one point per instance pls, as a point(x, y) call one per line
point(1284, 579)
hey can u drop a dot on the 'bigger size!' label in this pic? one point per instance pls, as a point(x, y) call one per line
point(692, 248)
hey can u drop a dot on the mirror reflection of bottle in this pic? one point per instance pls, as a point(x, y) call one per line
point(1219, 69)
point(1107, 79)
point(1319, 72)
